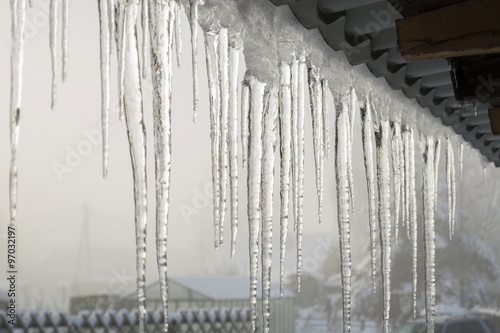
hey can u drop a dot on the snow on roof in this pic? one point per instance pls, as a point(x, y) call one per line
point(225, 287)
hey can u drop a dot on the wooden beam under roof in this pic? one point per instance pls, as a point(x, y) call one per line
point(466, 28)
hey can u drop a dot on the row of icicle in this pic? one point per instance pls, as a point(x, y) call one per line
point(271, 115)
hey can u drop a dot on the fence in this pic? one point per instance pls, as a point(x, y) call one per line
point(124, 321)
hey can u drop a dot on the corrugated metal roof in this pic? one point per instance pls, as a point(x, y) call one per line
point(365, 31)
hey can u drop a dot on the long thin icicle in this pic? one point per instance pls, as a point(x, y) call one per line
point(316, 99)
point(255, 187)
point(286, 160)
point(353, 105)
point(137, 140)
point(18, 21)
point(233, 137)
point(145, 29)
point(437, 155)
point(326, 122)
point(120, 52)
point(269, 146)
point(382, 135)
point(245, 112)
point(295, 142)
point(65, 31)
point(178, 32)
point(450, 185)
point(53, 50)
point(160, 35)
point(409, 142)
point(343, 210)
point(428, 191)
point(105, 59)
point(193, 23)
point(211, 49)
point(367, 133)
point(223, 125)
point(460, 159)
point(396, 168)
point(300, 160)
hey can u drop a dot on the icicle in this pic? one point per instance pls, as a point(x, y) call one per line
point(460, 159)
point(295, 142)
point(367, 133)
point(137, 141)
point(352, 115)
point(343, 211)
point(65, 24)
point(233, 137)
point(120, 52)
point(53, 52)
point(437, 155)
point(255, 186)
point(245, 111)
point(396, 168)
point(211, 46)
point(450, 185)
point(105, 54)
point(178, 32)
point(286, 159)
point(406, 149)
point(316, 99)
point(326, 121)
point(144, 25)
point(428, 174)
point(18, 21)
point(269, 145)
point(403, 184)
point(193, 23)
point(409, 142)
point(300, 160)
point(161, 75)
point(224, 125)
point(382, 135)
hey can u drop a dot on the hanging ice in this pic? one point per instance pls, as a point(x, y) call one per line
point(409, 138)
point(285, 111)
point(145, 28)
point(18, 21)
point(382, 135)
point(233, 136)
point(460, 159)
point(343, 210)
point(255, 186)
point(65, 26)
point(367, 133)
point(396, 169)
point(450, 185)
point(300, 160)
point(211, 46)
point(160, 13)
point(326, 121)
point(295, 142)
point(223, 126)
point(428, 191)
point(178, 31)
point(137, 141)
point(437, 155)
point(53, 51)
point(269, 145)
point(120, 52)
point(245, 112)
point(193, 23)
point(105, 55)
point(353, 105)
point(316, 99)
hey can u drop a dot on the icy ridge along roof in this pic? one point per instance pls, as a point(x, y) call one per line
point(365, 31)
